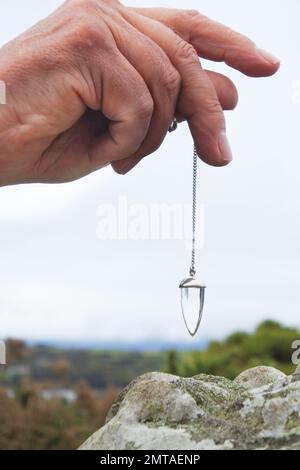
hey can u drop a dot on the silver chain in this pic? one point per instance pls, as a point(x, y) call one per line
point(194, 210)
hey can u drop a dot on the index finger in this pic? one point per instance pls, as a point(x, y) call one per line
point(215, 41)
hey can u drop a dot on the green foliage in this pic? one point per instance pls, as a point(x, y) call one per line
point(30, 422)
point(270, 345)
point(172, 362)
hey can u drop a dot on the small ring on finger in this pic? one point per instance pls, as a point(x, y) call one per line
point(173, 125)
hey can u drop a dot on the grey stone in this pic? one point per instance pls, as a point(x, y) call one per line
point(260, 409)
point(259, 376)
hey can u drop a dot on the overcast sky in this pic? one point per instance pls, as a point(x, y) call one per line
point(59, 281)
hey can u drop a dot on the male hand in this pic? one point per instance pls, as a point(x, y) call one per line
point(97, 83)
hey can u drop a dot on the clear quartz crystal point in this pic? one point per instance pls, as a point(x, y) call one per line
point(192, 302)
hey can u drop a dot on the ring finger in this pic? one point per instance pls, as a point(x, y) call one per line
point(163, 81)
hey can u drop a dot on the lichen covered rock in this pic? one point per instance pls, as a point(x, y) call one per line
point(260, 409)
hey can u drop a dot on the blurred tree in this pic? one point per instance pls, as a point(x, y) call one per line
point(61, 368)
point(172, 362)
point(25, 392)
point(30, 422)
point(16, 350)
point(85, 398)
point(270, 344)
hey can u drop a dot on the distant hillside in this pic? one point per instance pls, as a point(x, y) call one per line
point(147, 345)
point(270, 344)
point(99, 368)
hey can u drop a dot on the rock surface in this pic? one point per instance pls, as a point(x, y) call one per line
point(260, 409)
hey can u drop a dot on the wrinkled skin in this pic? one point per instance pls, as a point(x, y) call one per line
point(98, 83)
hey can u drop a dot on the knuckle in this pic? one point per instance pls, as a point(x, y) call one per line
point(191, 14)
point(171, 80)
point(81, 4)
point(144, 108)
point(186, 52)
point(233, 37)
point(86, 35)
point(83, 31)
point(213, 107)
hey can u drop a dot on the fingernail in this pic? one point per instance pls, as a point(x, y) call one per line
point(269, 57)
point(224, 148)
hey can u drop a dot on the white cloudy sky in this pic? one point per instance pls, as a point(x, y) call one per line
point(57, 280)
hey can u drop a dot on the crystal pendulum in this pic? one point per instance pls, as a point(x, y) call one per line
point(192, 291)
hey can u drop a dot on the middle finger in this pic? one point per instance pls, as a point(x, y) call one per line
point(198, 99)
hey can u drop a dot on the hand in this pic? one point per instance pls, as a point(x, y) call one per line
point(98, 83)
